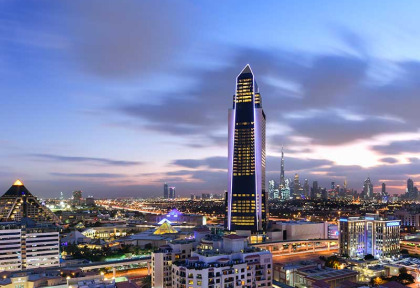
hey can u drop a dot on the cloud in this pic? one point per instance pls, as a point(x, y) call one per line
point(129, 38)
point(88, 175)
point(334, 128)
point(389, 160)
point(211, 162)
point(398, 147)
point(92, 160)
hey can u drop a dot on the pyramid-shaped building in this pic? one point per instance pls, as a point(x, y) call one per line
point(165, 228)
point(18, 203)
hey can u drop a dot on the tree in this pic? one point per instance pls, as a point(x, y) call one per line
point(332, 262)
point(404, 277)
point(369, 257)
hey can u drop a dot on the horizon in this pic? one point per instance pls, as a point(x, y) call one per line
point(121, 98)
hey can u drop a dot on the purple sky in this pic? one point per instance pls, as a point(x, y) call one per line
point(117, 97)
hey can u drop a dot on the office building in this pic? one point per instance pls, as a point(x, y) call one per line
point(27, 245)
point(172, 194)
point(18, 203)
point(409, 219)
point(247, 199)
point(296, 186)
point(272, 186)
point(231, 264)
point(165, 191)
point(315, 190)
point(370, 234)
point(306, 188)
point(368, 189)
point(282, 179)
point(77, 198)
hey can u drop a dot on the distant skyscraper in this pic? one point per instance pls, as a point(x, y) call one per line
point(345, 184)
point(165, 191)
point(272, 186)
point(247, 199)
point(306, 188)
point(172, 194)
point(296, 186)
point(77, 197)
point(332, 185)
point(368, 189)
point(410, 185)
point(282, 180)
point(383, 189)
point(314, 191)
point(18, 203)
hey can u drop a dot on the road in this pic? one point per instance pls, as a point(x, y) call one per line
point(303, 256)
point(132, 273)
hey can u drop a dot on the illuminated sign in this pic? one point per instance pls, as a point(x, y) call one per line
point(395, 223)
point(369, 218)
point(343, 220)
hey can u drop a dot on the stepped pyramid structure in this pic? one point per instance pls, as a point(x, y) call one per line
point(18, 203)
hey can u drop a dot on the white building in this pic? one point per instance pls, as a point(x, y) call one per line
point(27, 246)
point(298, 230)
point(360, 236)
point(217, 262)
point(163, 258)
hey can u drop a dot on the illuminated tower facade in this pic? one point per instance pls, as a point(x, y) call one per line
point(282, 182)
point(247, 199)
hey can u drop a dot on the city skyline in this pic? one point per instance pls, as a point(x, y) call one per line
point(95, 102)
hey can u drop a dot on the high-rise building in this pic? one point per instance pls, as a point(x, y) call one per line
point(272, 186)
point(18, 203)
point(172, 194)
point(282, 180)
point(314, 190)
point(27, 245)
point(360, 236)
point(165, 191)
point(247, 199)
point(345, 184)
point(296, 186)
point(306, 188)
point(410, 185)
point(368, 189)
point(77, 197)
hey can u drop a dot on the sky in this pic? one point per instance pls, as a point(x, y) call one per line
point(117, 97)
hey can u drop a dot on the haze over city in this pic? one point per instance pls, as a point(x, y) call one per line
point(122, 98)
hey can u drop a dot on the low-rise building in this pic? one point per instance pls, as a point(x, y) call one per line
point(298, 230)
point(310, 273)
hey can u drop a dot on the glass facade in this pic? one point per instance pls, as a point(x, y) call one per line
point(246, 207)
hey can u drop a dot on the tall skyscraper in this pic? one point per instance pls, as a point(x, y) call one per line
point(314, 191)
point(368, 189)
point(383, 189)
point(306, 188)
point(77, 197)
point(172, 194)
point(296, 186)
point(247, 200)
point(282, 180)
point(165, 191)
point(272, 186)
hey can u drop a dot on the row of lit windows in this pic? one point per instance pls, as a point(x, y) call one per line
point(243, 195)
point(244, 123)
